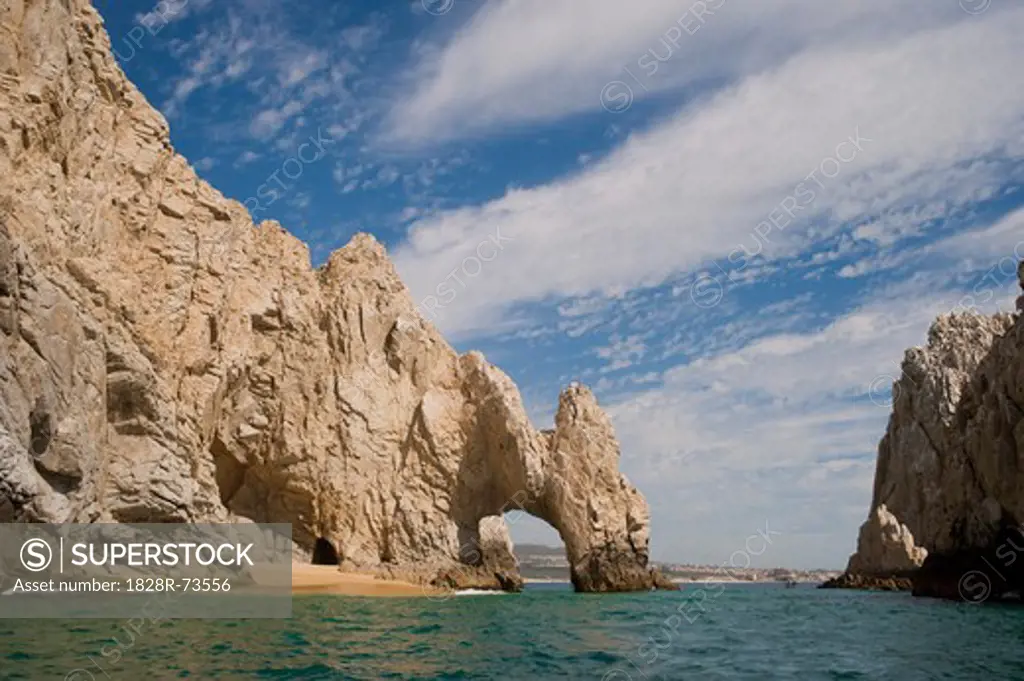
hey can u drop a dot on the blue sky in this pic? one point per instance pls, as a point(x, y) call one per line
point(729, 217)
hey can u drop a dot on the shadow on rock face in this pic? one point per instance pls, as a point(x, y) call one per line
point(989, 575)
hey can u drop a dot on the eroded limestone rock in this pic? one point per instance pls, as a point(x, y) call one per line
point(885, 547)
point(950, 471)
point(163, 360)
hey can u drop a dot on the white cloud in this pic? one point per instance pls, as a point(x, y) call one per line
point(999, 247)
point(785, 428)
point(694, 188)
point(268, 122)
point(299, 67)
point(343, 174)
point(216, 58)
point(287, 72)
point(300, 201)
point(622, 353)
point(168, 11)
point(364, 37)
point(533, 60)
point(1003, 240)
point(246, 158)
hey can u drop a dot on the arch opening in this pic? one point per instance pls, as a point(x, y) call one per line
point(539, 549)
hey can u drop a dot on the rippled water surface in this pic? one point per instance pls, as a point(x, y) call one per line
point(745, 632)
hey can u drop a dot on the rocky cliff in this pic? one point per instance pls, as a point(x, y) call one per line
point(162, 359)
point(948, 501)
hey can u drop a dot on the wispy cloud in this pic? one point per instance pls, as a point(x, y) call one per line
point(695, 188)
point(168, 11)
point(526, 61)
point(204, 164)
point(287, 74)
point(246, 157)
point(786, 423)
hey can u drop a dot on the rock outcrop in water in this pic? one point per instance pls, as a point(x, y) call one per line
point(949, 483)
point(885, 547)
point(162, 360)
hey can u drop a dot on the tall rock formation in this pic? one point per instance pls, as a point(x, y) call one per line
point(163, 360)
point(949, 481)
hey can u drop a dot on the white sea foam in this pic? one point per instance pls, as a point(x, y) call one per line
point(479, 592)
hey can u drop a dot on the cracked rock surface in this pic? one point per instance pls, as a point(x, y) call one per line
point(949, 479)
point(162, 359)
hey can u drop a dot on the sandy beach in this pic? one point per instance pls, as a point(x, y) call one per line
point(327, 579)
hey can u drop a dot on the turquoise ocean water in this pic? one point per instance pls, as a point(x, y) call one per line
point(548, 632)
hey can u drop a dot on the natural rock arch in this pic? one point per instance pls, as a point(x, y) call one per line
point(194, 367)
point(567, 477)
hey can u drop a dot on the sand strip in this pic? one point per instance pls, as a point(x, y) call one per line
point(328, 579)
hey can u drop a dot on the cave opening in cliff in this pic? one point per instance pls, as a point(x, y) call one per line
point(324, 553)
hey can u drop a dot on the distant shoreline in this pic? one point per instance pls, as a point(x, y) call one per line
point(329, 580)
point(733, 580)
point(687, 580)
